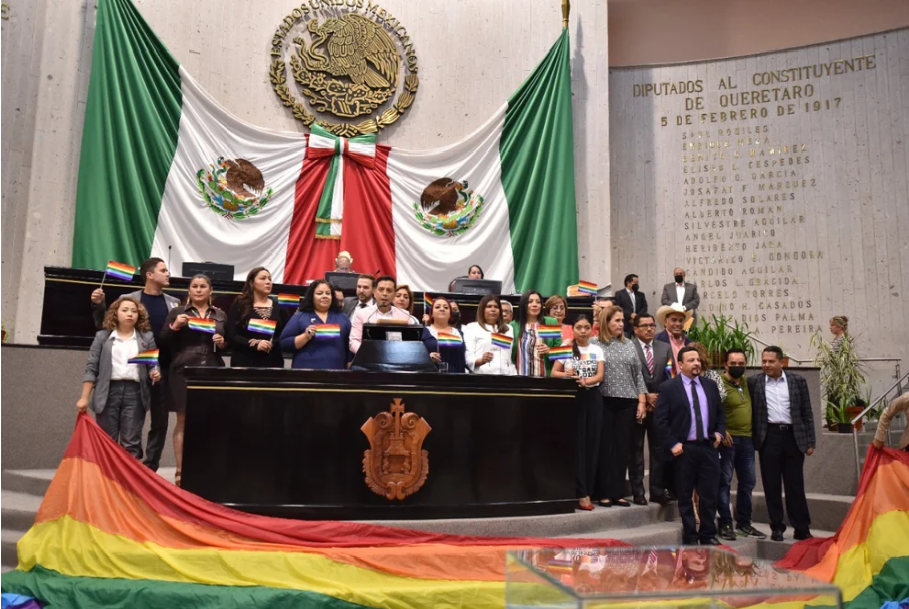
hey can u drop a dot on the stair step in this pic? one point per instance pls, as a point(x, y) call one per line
point(18, 509)
point(28, 481)
point(827, 511)
point(8, 540)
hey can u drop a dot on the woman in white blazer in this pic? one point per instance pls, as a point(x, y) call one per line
point(483, 355)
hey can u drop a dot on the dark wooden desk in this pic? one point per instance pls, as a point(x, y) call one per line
point(288, 443)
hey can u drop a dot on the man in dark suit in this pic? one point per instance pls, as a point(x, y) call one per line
point(783, 432)
point(365, 286)
point(653, 356)
point(632, 301)
point(681, 291)
point(691, 422)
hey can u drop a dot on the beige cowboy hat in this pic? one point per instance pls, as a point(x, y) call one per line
point(675, 307)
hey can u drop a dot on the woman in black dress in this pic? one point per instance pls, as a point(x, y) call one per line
point(188, 335)
point(250, 349)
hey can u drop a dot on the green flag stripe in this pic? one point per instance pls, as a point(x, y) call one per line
point(537, 151)
point(132, 119)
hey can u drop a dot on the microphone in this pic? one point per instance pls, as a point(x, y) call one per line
point(377, 273)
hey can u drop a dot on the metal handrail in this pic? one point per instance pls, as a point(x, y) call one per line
point(795, 359)
point(880, 398)
point(883, 398)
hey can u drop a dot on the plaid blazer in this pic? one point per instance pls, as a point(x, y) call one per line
point(799, 409)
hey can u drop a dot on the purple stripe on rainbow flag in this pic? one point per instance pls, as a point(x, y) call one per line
point(560, 353)
point(501, 340)
point(549, 332)
point(289, 300)
point(120, 270)
point(263, 326)
point(146, 358)
point(449, 340)
point(587, 287)
point(200, 324)
point(328, 331)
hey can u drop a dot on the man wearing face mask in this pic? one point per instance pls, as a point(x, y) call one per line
point(681, 292)
point(737, 451)
point(632, 301)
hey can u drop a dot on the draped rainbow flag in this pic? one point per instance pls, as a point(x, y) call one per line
point(868, 557)
point(110, 533)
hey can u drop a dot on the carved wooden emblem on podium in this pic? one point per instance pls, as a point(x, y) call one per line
point(395, 464)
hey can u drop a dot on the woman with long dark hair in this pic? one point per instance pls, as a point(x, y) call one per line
point(489, 340)
point(531, 350)
point(586, 367)
point(318, 333)
point(251, 348)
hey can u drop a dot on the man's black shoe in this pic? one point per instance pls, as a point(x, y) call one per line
point(671, 496)
point(713, 541)
point(777, 536)
point(639, 500)
point(662, 500)
point(750, 531)
point(802, 536)
point(727, 533)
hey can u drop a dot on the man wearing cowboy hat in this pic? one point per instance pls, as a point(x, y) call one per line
point(673, 318)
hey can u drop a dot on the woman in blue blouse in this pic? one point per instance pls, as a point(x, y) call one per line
point(451, 352)
point(309, 335)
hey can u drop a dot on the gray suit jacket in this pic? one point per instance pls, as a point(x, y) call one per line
point(350, 305)
point(799, 411)
point(98, 310)
point(691, 300)
point(661, 355)
point(99, 366)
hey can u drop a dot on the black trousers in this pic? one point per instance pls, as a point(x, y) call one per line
point(698, 467)
point(636, 459)
point(590, 428)
point(615, 444)
point(782, 465)
point(157, 432)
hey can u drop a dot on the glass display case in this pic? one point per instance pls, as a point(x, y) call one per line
point(657, 577)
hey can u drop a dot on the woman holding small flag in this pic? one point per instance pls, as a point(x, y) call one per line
point(122, 362)
point(557, 307)
point(583, 362)
point(489, 340)
point(534, 336)
point(444, 342)
point(193, 334)
point(318, 333)
point(254, 322)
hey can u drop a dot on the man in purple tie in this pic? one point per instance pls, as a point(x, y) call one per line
point(691, 422)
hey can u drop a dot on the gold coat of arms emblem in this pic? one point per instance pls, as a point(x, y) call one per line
point(396, 466)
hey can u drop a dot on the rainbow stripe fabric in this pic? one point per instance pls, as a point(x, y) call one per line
point(328, 331)
point(263, 326)
point(118, 270)
point(111, 533)
point(201, 324)
point(146, 358)
point(427, 303)
point(587, 287)
point(449, 340)
point(549, 332)
point(501, 340)
point(288, 300)
point(670, 370)
point(560, 353)
point(868, 557)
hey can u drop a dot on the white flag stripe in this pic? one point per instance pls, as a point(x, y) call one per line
point(429, 262)
point(185, 222)
point(337, 199)
point(361, 148)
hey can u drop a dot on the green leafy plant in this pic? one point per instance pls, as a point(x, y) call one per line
point(842, 372)
point(720, 334)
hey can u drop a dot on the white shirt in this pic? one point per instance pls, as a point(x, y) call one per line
point(587, 368)
point(631, 295)
point(477, 341)
point(121, 351)
point(680, 293)
point(777, 392)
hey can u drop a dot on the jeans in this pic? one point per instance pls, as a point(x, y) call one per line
point(738, 457)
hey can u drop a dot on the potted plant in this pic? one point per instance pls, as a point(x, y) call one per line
point(838, 417)
point(842, 374)
point(719, 335)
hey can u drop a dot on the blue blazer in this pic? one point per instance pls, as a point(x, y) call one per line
point(455, 357)
point(672, 414)
point(317, 354)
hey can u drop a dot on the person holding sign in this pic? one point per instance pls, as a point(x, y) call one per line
point(252, 323)
point(318, 333)
point(583, 363)
point(444, 342)
point(489, 340)
point(194, 335)
point(122, 364)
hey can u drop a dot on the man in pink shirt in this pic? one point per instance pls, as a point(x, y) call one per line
point(383, 309)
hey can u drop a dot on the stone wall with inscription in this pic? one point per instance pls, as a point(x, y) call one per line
point(778, 181)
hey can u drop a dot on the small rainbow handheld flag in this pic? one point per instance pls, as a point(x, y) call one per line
point(118, 270)
point(501, 340)
point(549, 332)
point(669, 370)
point(587, 287)
point(263, 326)
point(328, 331)
point(427, 303)
point(449, 340)
point(288, 300)
point(560, 353)
point(201, 324)
point(146, 358)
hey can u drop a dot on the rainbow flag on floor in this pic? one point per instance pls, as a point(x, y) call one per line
point(328, 331)
point(200, 324)
point(549, 332)
point(263, 326)
point(449, 340)
point(560, 353)
point(501, 340)
point(111, 533)
point(121, 271)
point(288, 300)
point(146, 358)
point(868, 557)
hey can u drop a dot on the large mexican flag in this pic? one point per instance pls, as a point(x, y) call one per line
point(167, 171)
